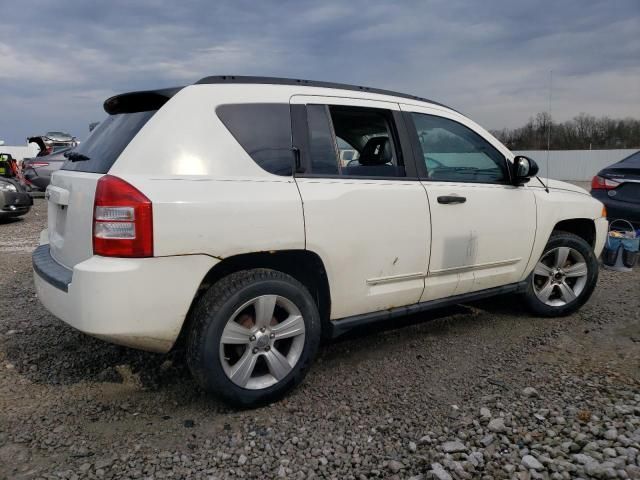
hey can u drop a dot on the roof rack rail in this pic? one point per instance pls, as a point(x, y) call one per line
point(240, 79)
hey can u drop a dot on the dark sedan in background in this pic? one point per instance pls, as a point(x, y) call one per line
point(14, 199)
point(618, 187)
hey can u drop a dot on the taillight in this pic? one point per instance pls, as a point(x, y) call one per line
point(122, 220)
point(38, 164)
point(601, 183)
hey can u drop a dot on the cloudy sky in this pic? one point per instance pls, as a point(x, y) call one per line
point(489, 59)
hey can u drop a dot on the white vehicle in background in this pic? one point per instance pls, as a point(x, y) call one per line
point(252, 238)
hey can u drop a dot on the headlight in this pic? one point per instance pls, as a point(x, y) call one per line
point(7, 187)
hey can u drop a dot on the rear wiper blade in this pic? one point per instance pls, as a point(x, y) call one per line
point(76, 157)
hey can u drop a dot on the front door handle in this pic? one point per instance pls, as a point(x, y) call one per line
point(451, 199)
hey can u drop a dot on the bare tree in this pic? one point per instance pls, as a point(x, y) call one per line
point(582, 132)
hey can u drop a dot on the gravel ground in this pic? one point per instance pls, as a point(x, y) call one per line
point(479, 391)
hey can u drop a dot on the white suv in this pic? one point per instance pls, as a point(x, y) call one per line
point(223, 212)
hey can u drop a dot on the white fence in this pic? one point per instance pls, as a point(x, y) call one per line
point(20, 152)
point(569, 165)
point(575, 165)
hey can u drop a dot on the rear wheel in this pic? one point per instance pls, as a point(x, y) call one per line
point(253, 337)
point(564, 277)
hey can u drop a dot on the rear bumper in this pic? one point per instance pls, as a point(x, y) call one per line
point(617, 209)
point(139, 302)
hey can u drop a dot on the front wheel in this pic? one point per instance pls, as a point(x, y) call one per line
point(564, 277)
point(253, 337)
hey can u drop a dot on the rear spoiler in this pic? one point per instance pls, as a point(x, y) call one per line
point(142, 101)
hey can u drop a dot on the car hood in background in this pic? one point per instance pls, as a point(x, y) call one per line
point(59, 137)
point(19, 187)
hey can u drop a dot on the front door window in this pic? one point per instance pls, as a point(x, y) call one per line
point(455, 153)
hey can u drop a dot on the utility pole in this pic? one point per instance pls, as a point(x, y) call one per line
point(550, 121)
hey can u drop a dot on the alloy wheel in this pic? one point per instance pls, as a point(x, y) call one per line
point(560, 276)
point(262, 342)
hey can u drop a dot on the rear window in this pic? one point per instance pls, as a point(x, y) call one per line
point(107, 141)
point(264, 131)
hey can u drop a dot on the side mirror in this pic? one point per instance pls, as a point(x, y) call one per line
point(523, 169)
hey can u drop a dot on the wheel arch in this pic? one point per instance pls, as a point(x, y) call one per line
point(580, 225)
point(303, 265)
point(584, 228)
point(559, 238)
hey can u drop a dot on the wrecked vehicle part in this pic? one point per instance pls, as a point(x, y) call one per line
point(52, 142)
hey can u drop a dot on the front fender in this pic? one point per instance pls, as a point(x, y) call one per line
point(561, 205)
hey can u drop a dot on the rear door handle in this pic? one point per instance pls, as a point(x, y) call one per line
point(451, 199)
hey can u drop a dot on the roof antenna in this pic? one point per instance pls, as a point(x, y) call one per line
point(546, 188)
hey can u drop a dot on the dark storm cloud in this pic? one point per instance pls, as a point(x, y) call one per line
point(491, 60)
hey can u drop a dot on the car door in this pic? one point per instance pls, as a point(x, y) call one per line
point(483, 227)
point(366, 213)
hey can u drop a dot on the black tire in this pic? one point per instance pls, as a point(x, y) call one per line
point(564, 239)
point(210, 316)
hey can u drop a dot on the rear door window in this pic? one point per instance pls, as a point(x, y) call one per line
point(321, 144)
point(107, 141)
point(353, 142)
point(367, 135)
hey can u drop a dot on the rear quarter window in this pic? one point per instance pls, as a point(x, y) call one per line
point(264, 132)
point(107, 141)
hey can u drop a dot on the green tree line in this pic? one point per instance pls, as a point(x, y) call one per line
point(583, 132)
